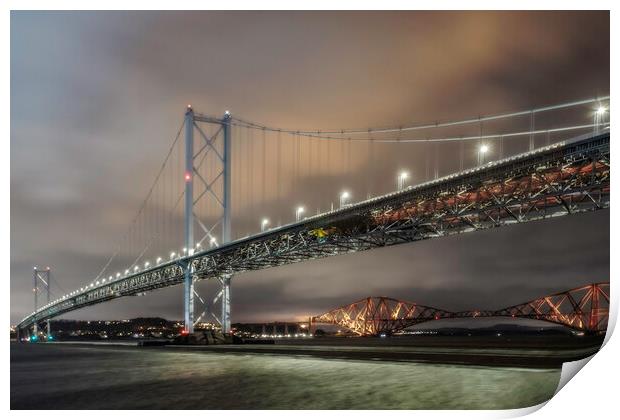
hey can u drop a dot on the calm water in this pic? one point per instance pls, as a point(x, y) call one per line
point(100, 377)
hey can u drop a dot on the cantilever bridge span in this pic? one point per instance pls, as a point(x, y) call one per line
point(561, 179)
point(584, 308)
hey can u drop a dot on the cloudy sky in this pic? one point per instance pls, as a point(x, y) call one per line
point(96, 99)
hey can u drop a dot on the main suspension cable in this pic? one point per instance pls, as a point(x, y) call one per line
point(477, 120)
point(144, 202)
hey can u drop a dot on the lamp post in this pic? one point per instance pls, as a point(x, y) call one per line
point(481, 152)
point(599, 118)
point(263, 224)
point(402, 177)
point(344, 196)
point(299, 212)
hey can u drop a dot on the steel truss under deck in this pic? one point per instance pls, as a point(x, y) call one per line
point(564, 178)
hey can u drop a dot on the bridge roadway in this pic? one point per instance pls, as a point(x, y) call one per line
point(568, 177)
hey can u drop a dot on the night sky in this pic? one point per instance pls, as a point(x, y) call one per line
point(97, 97)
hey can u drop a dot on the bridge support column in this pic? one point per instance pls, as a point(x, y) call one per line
point(192, 218)
point(226, 216)
point(49, 329)
point(188, 299)
point(188, 291)
point(225, 320)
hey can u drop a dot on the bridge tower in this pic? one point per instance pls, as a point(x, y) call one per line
point(41, 285)
point(218, 144)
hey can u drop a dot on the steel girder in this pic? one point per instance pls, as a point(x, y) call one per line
point(380, 315)
point(564, 178)
point(584, 308)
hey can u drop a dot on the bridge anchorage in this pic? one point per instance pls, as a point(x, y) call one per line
point(584, 309)
point(567, 177)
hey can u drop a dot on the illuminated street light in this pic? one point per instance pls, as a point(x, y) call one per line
point(299, 212)
point(213, 241)
point(599, 118)
point(402, 177)
point(344, 196)
point(263, 224)
point(158, 260)
point(172, 254)
point(146, 264)
point(481, 152)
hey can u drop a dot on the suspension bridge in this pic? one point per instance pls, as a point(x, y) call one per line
point(469, 175)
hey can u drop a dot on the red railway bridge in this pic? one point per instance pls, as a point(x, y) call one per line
point(584, 308)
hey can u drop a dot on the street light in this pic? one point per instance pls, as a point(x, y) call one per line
point(599, 118)
point(343, 198)
point(263, 224)
point(481, 151)
point(213, 241)
point(299, 212)
point(402, 177)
